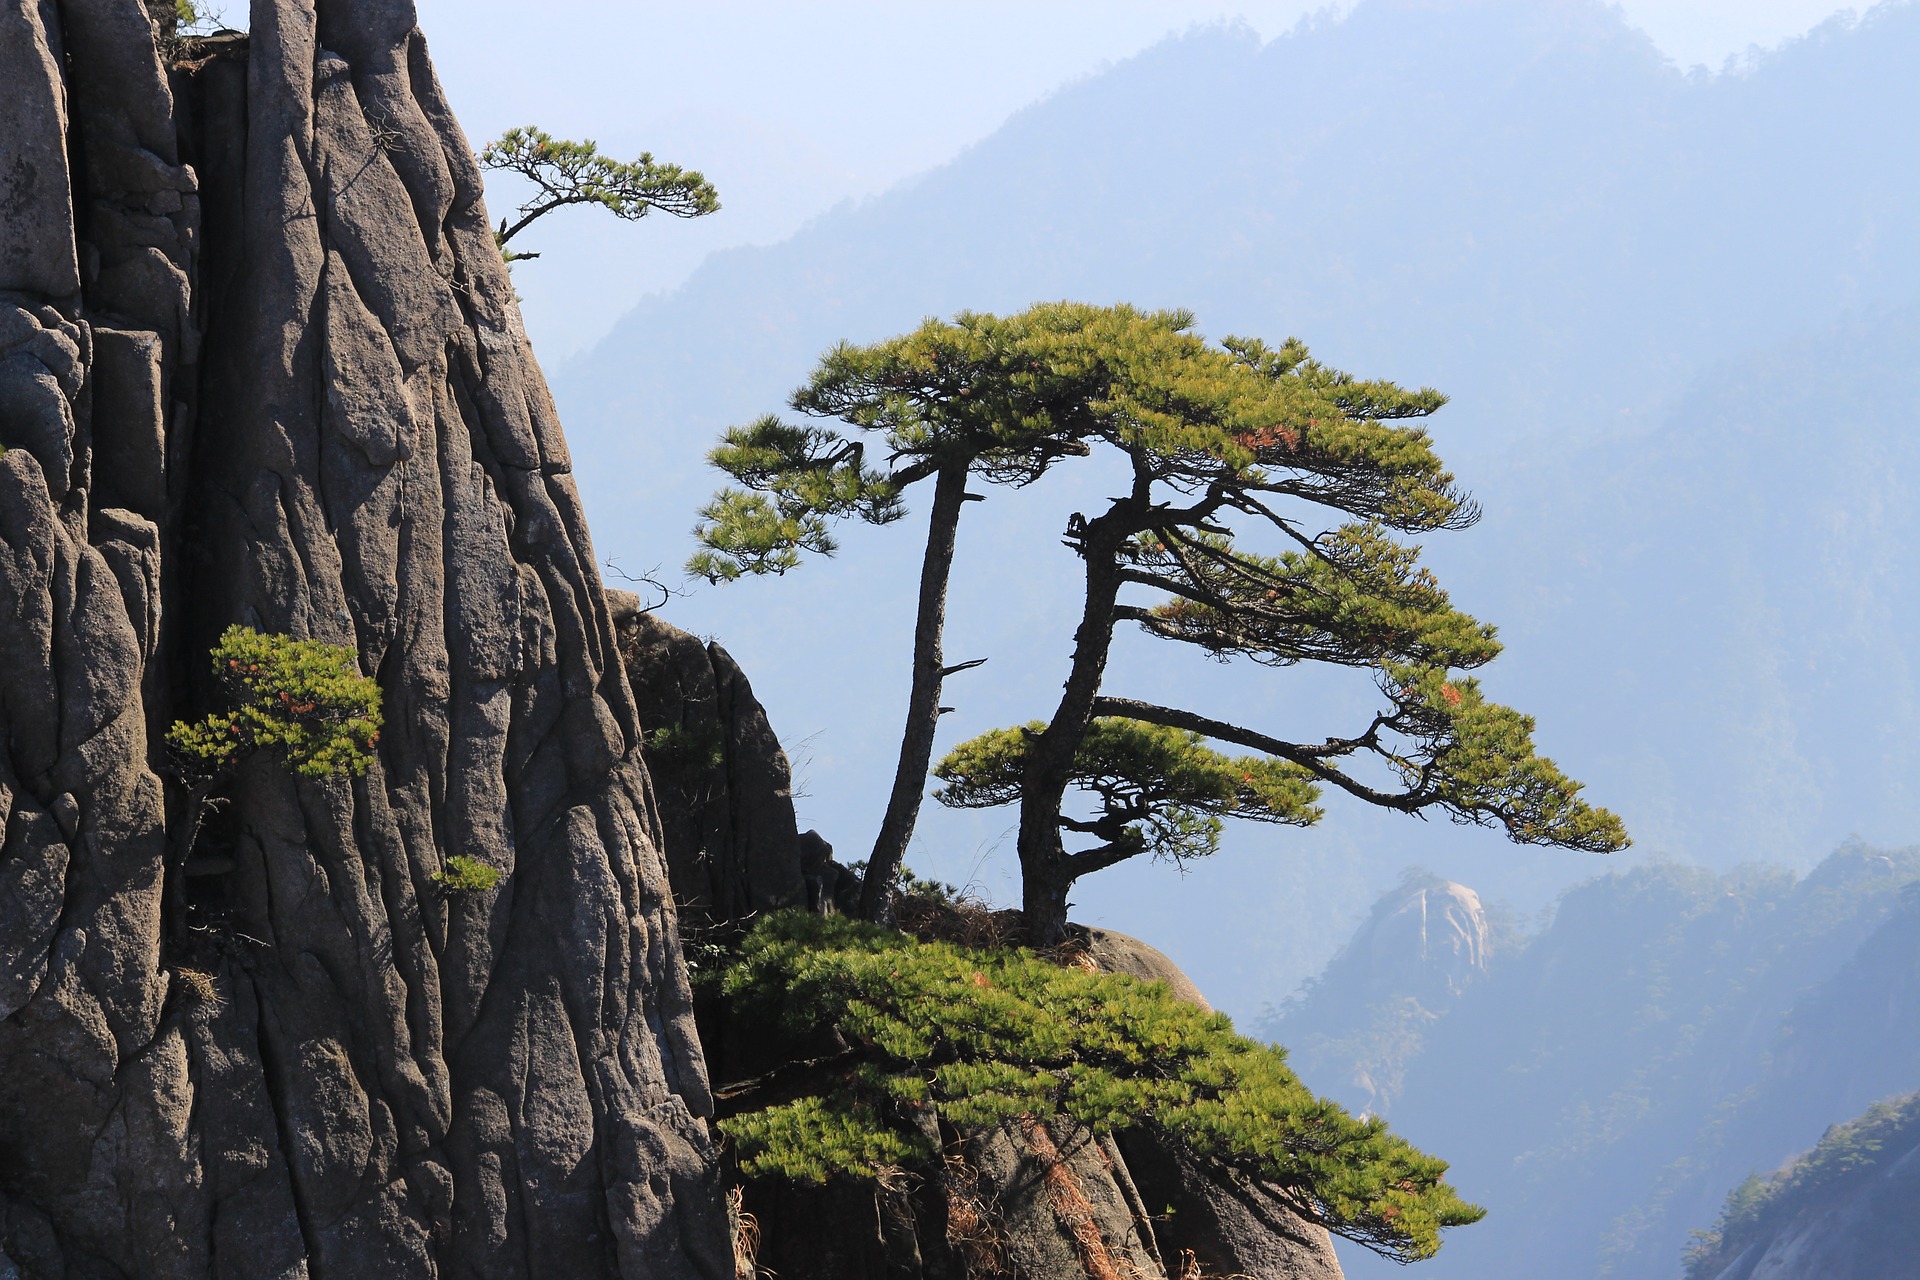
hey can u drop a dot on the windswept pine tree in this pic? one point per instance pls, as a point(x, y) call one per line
point(563, 173)
point(1214, 436)
point(1246, 437)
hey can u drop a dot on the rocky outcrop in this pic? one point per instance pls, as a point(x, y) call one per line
point(1024, 1200)
point(1206, 1221)
point(1848, 1210)
point(1355, 1030)
point(260, 363)
point(1217, 1225)
point(732, 843)
point(1429, 941)
point(1114, 952)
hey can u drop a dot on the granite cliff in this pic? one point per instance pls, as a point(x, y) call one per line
point(260, 363)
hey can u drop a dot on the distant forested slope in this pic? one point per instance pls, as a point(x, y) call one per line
point(1604, 1085)
point(1675, 314)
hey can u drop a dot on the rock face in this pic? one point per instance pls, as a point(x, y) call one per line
point(1429, 943)
point(1206, 1223)
point(260, 363)
point(1848, 1210)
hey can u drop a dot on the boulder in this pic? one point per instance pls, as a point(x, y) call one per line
point(1117, 953)
point(725, 789)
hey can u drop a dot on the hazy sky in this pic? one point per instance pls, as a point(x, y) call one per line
point(791, 108)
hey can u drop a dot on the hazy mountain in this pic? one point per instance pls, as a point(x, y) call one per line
point(1602, 1086)
point(1674, 313)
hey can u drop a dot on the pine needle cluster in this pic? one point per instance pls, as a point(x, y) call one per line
point(464, 874)
point(1161, 791)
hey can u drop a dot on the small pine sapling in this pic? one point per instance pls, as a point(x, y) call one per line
point(303, 702)
point(464, 874)
point(567, 173)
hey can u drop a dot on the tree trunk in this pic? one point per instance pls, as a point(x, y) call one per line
point(1045, 876)
point(923, 702)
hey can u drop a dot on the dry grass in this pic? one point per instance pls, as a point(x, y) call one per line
point(967, 921)
point(1190, 1269)
point(196, 986)
point(746, 1238)
point(1073, 1210)
point(963, 921)
point(974, 1229)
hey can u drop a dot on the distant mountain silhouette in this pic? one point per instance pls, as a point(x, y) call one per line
point(1676, 316)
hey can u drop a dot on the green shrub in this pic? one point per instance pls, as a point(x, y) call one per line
point(987, 1036)
point(468, 875)
point(303, 700)
point(687, 751)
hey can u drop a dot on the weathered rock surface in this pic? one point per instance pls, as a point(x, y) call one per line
point(260, 363)
point(1118, 953)
point(1423, 946)
point(1223, 1225)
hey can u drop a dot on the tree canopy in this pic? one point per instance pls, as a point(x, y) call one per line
point(1160, 790)
point(990, 1037)
point(997, 398)
point(1221, 440)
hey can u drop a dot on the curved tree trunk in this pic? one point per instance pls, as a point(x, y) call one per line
point(1045, 871)
point(923, 701)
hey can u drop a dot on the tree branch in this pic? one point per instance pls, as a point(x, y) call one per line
point(1088, 861)
point(816, 1076)
point(1311, 758)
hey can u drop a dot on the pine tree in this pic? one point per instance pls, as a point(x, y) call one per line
point(567, 173)
point(929, 1033)
point(1266, 439)
point(302, 702)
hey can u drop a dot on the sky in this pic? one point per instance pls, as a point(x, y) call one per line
point(792, 108)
